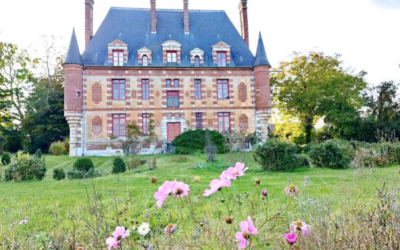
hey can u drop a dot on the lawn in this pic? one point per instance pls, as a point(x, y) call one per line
point(83, 213)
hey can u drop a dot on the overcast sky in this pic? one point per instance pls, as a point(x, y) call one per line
point(365, 32)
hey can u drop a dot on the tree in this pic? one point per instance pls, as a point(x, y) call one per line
point(312, 85)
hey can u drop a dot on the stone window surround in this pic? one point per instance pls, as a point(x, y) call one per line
point(117, 45)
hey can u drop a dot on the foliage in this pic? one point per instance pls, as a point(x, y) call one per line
point(83, 165)
point(58, 174)
point(193, 141)
point(25, 168)
point(118, 166)
point(331, 154)
point(76, 175)
point(134, 163)
point(15, 138)
point(58, 148)
point(277, 155)
point(3, 142)
point(312, 85)
point(180, 159)
point(210, 149)
point(6, 158)
point(136, 139)
point(38, 153)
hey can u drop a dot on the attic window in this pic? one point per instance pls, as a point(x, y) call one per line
point(197, 57)
point(171, 52)
point(221, 58)
point(172, 56)
point(222, 54)
point(117, 53)
point(197, 61)
point(118, 57)
point(145, 61)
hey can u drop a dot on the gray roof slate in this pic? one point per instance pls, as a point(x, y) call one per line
point(73, 54)
point(261, 55)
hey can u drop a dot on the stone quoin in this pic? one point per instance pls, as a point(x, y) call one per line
point(180, 69)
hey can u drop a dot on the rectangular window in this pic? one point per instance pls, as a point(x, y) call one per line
point(145, 89)
point(118, 89)
point(172, 99)
point(223, 89)
point(221, 58)
point(119, 125)
point(172, 56)
point(197, 89)
point(169, 83)
point(176, 83)
point(199, 120)
point(118, 57)
point(146, 124)
point(224, 122)
point(172, 83)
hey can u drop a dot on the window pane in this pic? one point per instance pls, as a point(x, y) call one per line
point(176, 83)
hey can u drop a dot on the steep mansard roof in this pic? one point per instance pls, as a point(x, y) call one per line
point(73, 55)
point(261, 56)
point(133, 27)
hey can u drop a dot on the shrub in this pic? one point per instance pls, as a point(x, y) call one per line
point(363, 158)
point(302, 161)
point(134, 163)
point(58, 174)
point(38, 153)
point(83, 165)
point(276, 155)
point(331, 154)
point(75, 174)
point(57, 148)
point(6, 159)
point(66, 145)
point(25, 168)
point(193, 141)
point(118, 166)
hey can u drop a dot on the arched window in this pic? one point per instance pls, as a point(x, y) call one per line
point(145, 61)
point(197, 61)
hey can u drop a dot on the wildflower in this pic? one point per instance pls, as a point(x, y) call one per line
point(217, 184)
point(118, 234)
point(248, 230)
point(144, 229)
point(264, 192)
point(236, 171)
point(112, 243)
point(292, 190)
point(170, 228)
point(301, 226)
point(229, 220)
point(196, 178)
point(291, 238)
point(257, 181)
point(153, 179)
point(180, 189)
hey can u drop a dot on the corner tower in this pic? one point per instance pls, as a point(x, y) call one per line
point(73, 70)
point(261, 70)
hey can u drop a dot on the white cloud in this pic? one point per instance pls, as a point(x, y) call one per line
point(389, 4)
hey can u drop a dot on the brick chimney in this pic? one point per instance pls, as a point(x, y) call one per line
point(244, 21)
point(88, 21)
point(153, 16)
point(186, 15)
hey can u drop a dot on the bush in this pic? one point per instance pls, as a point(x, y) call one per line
point(75, 174)
point(83, 165)
point(363, 158)
point(302, 161)
point(277, 155)
point(118, 166)
point(331, 154)
point(58, 148)
point(6, 159)
point(58, 174)
point(38, 153)
point(193, 141)
point(134, 163)
point(25, 168)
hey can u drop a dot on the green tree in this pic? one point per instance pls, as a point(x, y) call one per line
point(313, 84)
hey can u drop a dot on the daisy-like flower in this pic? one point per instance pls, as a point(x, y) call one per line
point(292, 190)
point(180, 189)
point(196, 178)
point(217, 184)
point(301, 226)
point(248, 230)
point(291, 238)
point(112, 243)
point(144, 229)
point(237, 171)
point(118, 234)
point(170, 229)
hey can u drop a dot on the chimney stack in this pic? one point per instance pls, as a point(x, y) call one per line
point(88, 21)
point(153, 16)
point(186, 15)
point(244, 21)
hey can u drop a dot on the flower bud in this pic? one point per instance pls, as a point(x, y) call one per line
point(264, 192)
point(153, 180)
point(257, 181)
point(229, 220)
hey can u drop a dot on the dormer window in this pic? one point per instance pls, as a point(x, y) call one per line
point(197, 57)
point(118, 57)
point(172, 56)
point(197, 61)
point(145, 61)
point(221, 58)
point(221, 54)
point(145, 56)
point(117, 53)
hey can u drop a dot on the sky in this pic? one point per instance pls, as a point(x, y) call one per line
point(365, 32)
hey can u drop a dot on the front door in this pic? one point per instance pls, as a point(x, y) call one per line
point(173, 130)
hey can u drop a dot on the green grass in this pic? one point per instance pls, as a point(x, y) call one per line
point(51, 203)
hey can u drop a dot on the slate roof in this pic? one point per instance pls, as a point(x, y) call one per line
point(133, 27)
point(261, 55)
point(73, 54)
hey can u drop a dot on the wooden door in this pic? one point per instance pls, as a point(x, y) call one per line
point(173, 130)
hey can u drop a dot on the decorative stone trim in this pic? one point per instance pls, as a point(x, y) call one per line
point(221, 46)
point(145, 52)
point(96, 93)
point(172, 45)
point(243, 123)
point(242, 90)
point(117, 45)
point(97, 125)
point(197, 52)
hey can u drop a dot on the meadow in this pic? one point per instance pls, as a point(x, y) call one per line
point(81, 214)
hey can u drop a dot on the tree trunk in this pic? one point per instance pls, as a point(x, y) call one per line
point(308, 127)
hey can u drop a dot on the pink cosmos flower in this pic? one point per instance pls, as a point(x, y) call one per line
point(217, 184)
point(301, 226)
point(248, 229)
point(291, 238)
point(118, 234)
point(178, 189)
point(236, 171)
point(292, 190)
point(112, 243)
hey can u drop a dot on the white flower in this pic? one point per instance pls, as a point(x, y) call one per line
point(134, 228)
point(144, 229)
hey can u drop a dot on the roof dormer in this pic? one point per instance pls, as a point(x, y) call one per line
point(171, 52)
point(222, 54)
point(117, 53)
point(145, 56)
point(197, 57)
